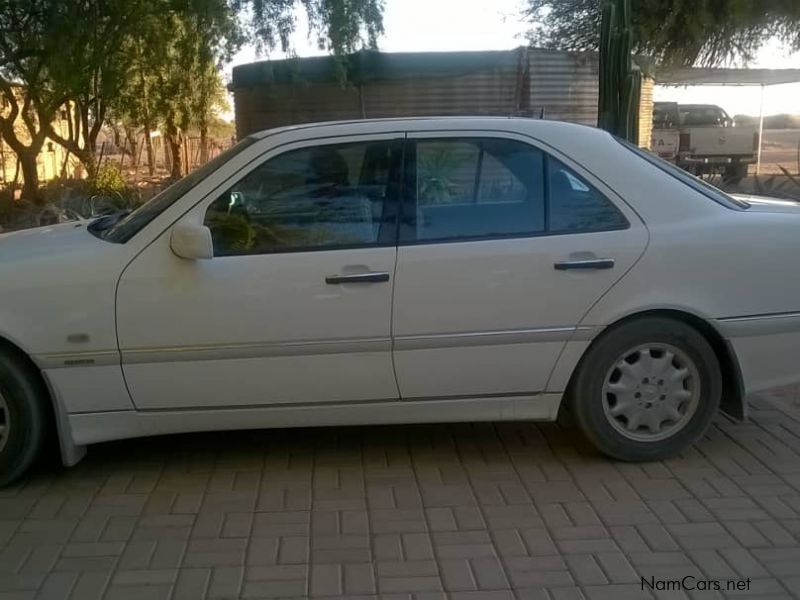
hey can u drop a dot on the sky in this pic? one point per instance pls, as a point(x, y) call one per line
point(448, 25)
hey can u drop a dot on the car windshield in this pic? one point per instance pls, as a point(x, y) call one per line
point(697, 184)
point(129, 224)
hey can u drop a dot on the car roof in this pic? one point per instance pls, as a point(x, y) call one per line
point(366, 126)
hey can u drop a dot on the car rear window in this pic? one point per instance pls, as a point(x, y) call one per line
point(697, 184)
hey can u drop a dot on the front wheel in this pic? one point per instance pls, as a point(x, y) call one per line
point(23, 417)
point(647, 389)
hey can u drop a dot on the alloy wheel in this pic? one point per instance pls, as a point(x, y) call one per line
point(651, 392)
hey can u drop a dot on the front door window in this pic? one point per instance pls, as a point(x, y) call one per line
point(317, 198)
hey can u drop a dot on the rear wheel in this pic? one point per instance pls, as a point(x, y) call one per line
point(647, 389)
point(735, 172)
point(23, 417)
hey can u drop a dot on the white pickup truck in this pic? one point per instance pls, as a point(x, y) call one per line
point(702, 138)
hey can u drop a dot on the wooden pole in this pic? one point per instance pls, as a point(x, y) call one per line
point(122, 159)
point(138, 162)
point(100, 162)
point(760, 131)
point(3, 159)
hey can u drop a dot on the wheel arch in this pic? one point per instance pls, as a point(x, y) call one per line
point(59, 423)
point(733, 402)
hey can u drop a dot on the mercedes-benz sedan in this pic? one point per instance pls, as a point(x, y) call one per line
point(403, 271)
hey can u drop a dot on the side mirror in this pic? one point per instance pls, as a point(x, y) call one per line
point(191, 241)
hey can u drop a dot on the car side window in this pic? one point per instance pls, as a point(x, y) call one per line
point(474, 189)
point(487, 188)
point(575, 206)
point(316, 198)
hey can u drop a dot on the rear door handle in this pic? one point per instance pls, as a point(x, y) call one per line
point(592, 263)
point(369, 277)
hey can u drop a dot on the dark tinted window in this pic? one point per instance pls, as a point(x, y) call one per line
point(323, 197)
point(469, 189)
point(575, 206)
point(475, 188)
point(703, 116)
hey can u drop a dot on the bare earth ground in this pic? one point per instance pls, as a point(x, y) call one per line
point(492, 511)
point(780, 148)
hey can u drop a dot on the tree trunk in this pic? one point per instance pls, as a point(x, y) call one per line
point(175, 151)
point(151, 158)
point(88, 160)
point(64, 165)
point(148, 142)
point(30, 176)
point(130, 136)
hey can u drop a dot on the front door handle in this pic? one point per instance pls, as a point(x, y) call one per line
point(592, 263)
point(368, 277)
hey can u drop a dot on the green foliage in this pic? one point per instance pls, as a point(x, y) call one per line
point(339, 26)
point(109, 180)
point(436, 170)
point(144, 63)
point(684, 32)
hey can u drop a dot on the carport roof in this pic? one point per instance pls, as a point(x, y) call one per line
point(709, 76)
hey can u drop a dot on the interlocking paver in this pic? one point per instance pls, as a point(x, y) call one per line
point(432, 512)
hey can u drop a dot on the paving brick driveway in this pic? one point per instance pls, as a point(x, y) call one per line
point(512, 510)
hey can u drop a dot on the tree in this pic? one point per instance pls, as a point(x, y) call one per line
point(680, 32)
point(93, 68)
point(31, 37)
point(340, 26)
point(93, 58)
point(194, 38)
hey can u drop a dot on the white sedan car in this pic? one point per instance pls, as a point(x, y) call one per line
point(403, 271)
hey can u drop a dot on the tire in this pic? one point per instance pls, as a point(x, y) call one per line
point(677, 397)
point(23, 413)
point(735, 172)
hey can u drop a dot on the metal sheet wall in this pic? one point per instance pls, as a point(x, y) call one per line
point(482, 93)
point(562, 85)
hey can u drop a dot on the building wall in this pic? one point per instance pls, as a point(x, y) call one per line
point(646, 113)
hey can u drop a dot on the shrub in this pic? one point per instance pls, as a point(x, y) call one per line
point(109, 180)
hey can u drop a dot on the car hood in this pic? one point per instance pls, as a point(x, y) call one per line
point(767, 204)
point(51, 241)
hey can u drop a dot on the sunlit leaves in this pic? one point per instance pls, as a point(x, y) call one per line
point(685, 32)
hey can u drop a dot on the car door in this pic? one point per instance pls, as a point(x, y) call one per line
point(503, 248)
point(293, 308)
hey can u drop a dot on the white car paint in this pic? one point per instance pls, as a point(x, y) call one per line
point(122, 332)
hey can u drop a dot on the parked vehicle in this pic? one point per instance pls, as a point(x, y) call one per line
point(403, 271)
point(702, 138)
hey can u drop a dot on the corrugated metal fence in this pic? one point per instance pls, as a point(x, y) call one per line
point(523, 82)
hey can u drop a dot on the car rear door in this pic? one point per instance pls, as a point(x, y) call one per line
point(503, 248)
